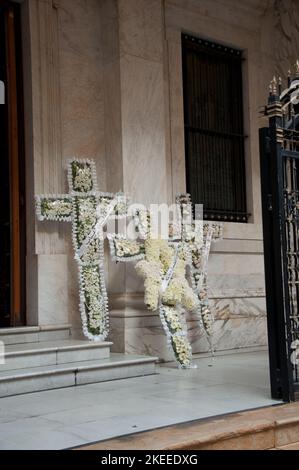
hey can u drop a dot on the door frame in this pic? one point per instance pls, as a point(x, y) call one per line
point(15, 140)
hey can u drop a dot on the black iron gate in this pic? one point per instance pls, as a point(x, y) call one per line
point(279, 152)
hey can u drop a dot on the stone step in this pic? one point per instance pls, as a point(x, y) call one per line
point(46, 353)
point(31, 334)
point(118, 366)
point(294, 446)
point(269, 428)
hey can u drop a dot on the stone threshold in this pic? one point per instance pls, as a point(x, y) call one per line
point(268, 428)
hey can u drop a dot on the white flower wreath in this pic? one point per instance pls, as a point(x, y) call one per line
point(88, 210)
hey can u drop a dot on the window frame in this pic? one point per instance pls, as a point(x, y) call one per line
point(238, 167)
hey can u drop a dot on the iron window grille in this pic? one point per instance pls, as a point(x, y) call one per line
point(214, 135)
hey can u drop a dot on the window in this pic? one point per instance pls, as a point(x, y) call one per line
point(214, 136)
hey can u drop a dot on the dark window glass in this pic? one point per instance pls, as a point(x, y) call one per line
point(214, 136)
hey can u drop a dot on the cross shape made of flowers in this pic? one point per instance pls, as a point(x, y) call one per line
point(162, 264)
point(88, 210)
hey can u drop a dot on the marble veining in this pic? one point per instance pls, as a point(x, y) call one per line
point(108, 84)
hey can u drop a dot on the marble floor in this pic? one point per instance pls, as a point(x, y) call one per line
point(59, 419)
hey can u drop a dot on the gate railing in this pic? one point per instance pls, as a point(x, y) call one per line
point(279, 152)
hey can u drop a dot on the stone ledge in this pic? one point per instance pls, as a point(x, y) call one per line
point(294, 446)
point(261, 429)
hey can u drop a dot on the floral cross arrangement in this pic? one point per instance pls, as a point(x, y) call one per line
point(88, 210)
point(163, 263)
point(167, 289)
point(199, 245)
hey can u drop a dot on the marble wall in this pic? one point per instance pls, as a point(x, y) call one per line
point(236, 271)
point(236, 263)
point(104, 79)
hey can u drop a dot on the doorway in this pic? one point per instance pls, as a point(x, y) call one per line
point(12, 171)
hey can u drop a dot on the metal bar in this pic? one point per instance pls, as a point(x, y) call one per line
point(273, 323)
point(290, 153)
point(215, 132)
point(229, 212)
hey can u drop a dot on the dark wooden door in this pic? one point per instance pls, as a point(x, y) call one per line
point(12, 188)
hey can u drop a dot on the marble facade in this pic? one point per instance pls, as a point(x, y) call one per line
point(103, 79)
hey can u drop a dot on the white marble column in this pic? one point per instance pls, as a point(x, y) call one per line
point(64, 109)
point(133, 48)
point(47, 275)
point(135, 132)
